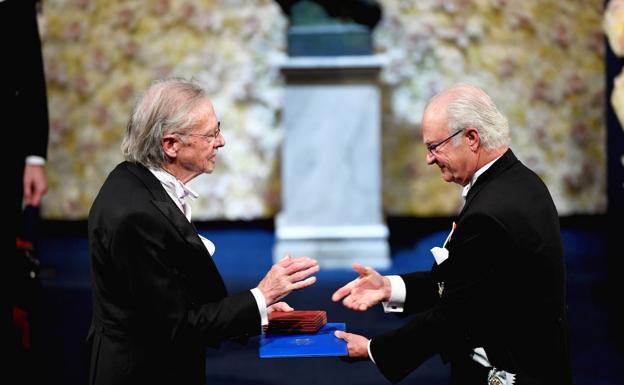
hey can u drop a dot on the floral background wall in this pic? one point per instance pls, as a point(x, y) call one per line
point(541, 60)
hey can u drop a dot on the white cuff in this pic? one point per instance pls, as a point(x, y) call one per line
point(35, 160)
point(262, 307)
point(397, 295)
point(369, 352)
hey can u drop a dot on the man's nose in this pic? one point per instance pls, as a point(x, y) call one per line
point(430, 158)
point(220, 141)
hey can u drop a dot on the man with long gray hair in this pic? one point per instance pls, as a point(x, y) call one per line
point(493, 304)
point(158, 298)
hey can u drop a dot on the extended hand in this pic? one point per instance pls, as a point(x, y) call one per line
point(365, 291)
point(357, 346)
point(287, 275)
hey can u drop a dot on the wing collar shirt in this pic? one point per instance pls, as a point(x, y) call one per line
point(398, 294)
point(178, 191)
point(181, 195)
point(477, 174)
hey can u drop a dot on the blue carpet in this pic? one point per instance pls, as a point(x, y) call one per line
point(244, 255)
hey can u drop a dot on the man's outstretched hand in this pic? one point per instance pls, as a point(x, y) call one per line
point(367, 290)
point(287, 275)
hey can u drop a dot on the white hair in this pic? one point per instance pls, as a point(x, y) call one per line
point(472, 107)
point(165, 107)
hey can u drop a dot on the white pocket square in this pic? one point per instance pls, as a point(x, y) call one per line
point(440, 254)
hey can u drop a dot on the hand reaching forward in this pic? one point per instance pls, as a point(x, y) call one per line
point(365, 291)
point(287, 275)
point(357, 345)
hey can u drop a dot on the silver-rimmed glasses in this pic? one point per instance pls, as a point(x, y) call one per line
point(432, 148)
point(210, 138)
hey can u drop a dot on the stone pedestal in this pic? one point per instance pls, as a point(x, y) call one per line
point(331, 162)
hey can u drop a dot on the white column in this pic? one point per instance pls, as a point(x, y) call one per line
point(331, 162)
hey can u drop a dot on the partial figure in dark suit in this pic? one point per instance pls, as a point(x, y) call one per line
point(25, 112)
point(158, 298)
point(28, 104)
point(493, 304)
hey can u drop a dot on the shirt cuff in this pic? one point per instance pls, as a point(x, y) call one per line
point(369, 352)
point(35, 160)
point(397, 295)
point(262, 307)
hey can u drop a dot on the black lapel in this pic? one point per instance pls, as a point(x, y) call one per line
point(167, 207)
point(187, 230)
point(503, 163)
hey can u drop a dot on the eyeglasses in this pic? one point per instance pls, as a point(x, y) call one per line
point(209, 137)
point(432, 148)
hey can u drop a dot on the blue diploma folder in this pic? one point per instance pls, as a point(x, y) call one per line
point(320, 344)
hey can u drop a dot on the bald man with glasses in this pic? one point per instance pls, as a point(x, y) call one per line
point(493, 303)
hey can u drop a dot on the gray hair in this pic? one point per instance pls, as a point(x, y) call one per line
point(166, 107)
point(471, 107)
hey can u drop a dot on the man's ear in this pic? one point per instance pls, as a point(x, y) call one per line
point(170, 145)
point(473, 138)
